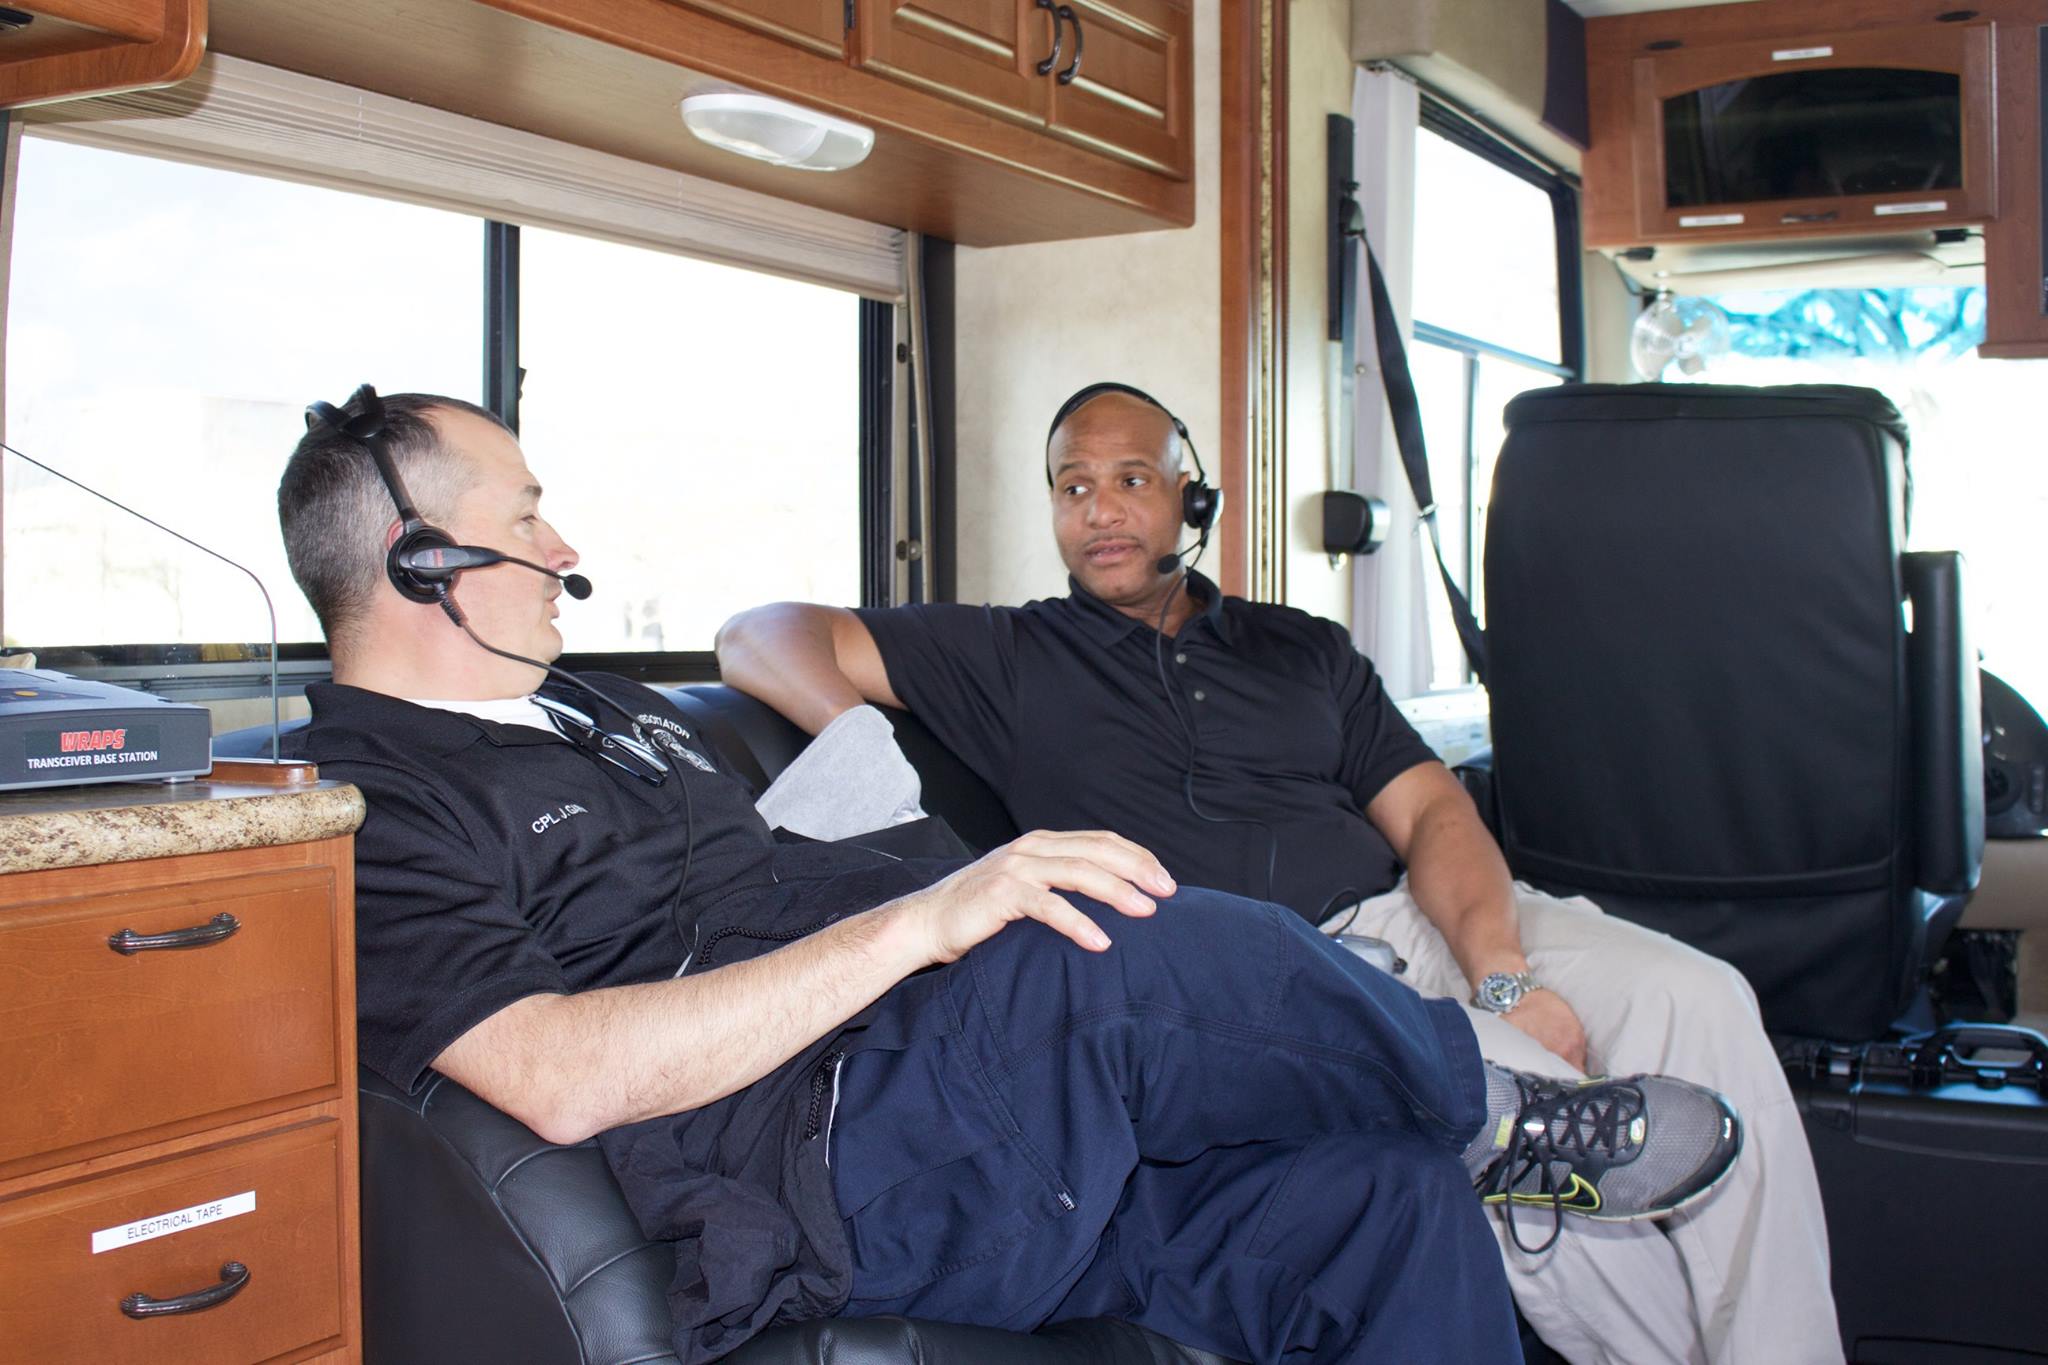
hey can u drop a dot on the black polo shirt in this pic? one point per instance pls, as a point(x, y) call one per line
point(1059, 706)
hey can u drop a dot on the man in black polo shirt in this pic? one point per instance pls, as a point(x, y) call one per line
point(1255, 750)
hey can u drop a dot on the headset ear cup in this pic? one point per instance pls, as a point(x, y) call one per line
point(1198, 505)
point(411, 583)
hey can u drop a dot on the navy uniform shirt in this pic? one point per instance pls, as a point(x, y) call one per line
point(1059, 706)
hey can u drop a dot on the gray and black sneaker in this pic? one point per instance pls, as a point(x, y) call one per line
point(1616, 1151)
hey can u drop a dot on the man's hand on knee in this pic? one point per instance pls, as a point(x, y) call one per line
point(1023, 879)
point(1545, 1016)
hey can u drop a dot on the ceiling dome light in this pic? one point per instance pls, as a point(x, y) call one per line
point(777, 132)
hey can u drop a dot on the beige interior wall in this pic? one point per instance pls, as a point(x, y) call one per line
point(1034, 323)
point(1610, 311)
point(1318, 85)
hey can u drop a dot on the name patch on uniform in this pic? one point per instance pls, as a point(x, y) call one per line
point(669, 736)
point(178, 1220)
point(556, 816)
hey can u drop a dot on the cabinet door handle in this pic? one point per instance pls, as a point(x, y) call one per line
point(233, 1276)
point(1052, 58)
point(128, 943)
point(1066, 12)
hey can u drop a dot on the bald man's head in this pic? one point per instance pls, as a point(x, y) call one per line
point(1114, 417)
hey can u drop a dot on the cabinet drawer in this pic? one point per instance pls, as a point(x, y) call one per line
point(1130, 94)
point(60, 1300)
point(96, 1045)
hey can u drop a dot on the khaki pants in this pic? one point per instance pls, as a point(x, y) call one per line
point(1741, 1278)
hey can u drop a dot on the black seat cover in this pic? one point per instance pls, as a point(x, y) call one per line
point(1707, 712)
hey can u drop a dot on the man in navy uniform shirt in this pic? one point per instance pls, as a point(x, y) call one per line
point(1255, 750)
point(1047, 1084)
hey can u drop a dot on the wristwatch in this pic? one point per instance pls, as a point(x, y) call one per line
point(1500, 992)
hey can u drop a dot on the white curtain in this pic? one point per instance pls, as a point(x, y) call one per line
point(1390, 617)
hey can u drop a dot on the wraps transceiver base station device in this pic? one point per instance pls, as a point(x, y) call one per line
point(59, 731)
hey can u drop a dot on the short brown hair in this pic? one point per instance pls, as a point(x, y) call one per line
point(333, 507)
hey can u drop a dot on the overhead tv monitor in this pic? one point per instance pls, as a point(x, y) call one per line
point(1870, 131)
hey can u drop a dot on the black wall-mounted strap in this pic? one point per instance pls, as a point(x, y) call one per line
point(1406, 413)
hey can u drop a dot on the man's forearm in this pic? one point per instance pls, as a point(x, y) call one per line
point(1461, 883)
point(570, 1066)
point(784, 655)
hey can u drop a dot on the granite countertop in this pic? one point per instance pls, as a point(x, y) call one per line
point(116, 822)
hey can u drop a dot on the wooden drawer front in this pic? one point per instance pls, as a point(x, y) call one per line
point(1131, 95)
point(97, 1045)
point(61, 1301)
point(981, 52)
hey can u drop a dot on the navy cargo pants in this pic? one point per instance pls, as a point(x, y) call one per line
point(1226, 1128)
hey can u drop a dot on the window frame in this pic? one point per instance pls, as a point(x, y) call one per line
point(1439, 118)
point(223, 671)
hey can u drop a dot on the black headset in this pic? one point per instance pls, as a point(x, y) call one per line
point(423, 562)
point(1199, 503)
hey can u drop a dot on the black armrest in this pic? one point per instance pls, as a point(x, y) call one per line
point(1948, 732)
point(483, 1242)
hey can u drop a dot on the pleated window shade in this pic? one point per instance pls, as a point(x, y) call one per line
point(244, 116)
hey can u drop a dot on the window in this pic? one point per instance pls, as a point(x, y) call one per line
point(1979, 483)
point(1496, 249)
point(166, 326)
point(722, 408)
point(699, 426)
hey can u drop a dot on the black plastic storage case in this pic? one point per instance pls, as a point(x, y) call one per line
point(1933, 1154)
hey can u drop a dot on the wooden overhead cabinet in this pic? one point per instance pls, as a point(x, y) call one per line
point(1785, 120)
point(60, 49)
point(1123, 84)
point(819, 25)
point(2016, 251)
point(972, 142)
point(1111, 78)
point(985, 53)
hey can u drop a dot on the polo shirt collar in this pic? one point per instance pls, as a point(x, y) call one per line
point(436, 731)
point(1107, 626)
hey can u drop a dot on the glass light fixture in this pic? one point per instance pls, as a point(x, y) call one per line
point(776, 131)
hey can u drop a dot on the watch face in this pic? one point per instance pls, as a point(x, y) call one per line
point(1500, 992)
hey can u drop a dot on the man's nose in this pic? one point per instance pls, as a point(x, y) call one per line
point(562, 556)
point(1105, 509)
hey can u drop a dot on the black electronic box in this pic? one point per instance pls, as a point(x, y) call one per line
point(56, 730)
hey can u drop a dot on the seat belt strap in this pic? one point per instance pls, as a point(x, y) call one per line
point(1406, 413)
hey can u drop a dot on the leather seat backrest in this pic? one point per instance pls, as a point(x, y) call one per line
point(759, 744)
point(1701, 701)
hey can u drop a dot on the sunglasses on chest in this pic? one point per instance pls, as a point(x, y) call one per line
point(623, 751)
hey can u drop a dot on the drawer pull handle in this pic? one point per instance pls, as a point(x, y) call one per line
point(128, 942)
point(1073, 69)
point(1052, 58)
point(233, 1276)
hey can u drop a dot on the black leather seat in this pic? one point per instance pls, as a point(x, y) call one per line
point(482, 1242)
point(1709, 713)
